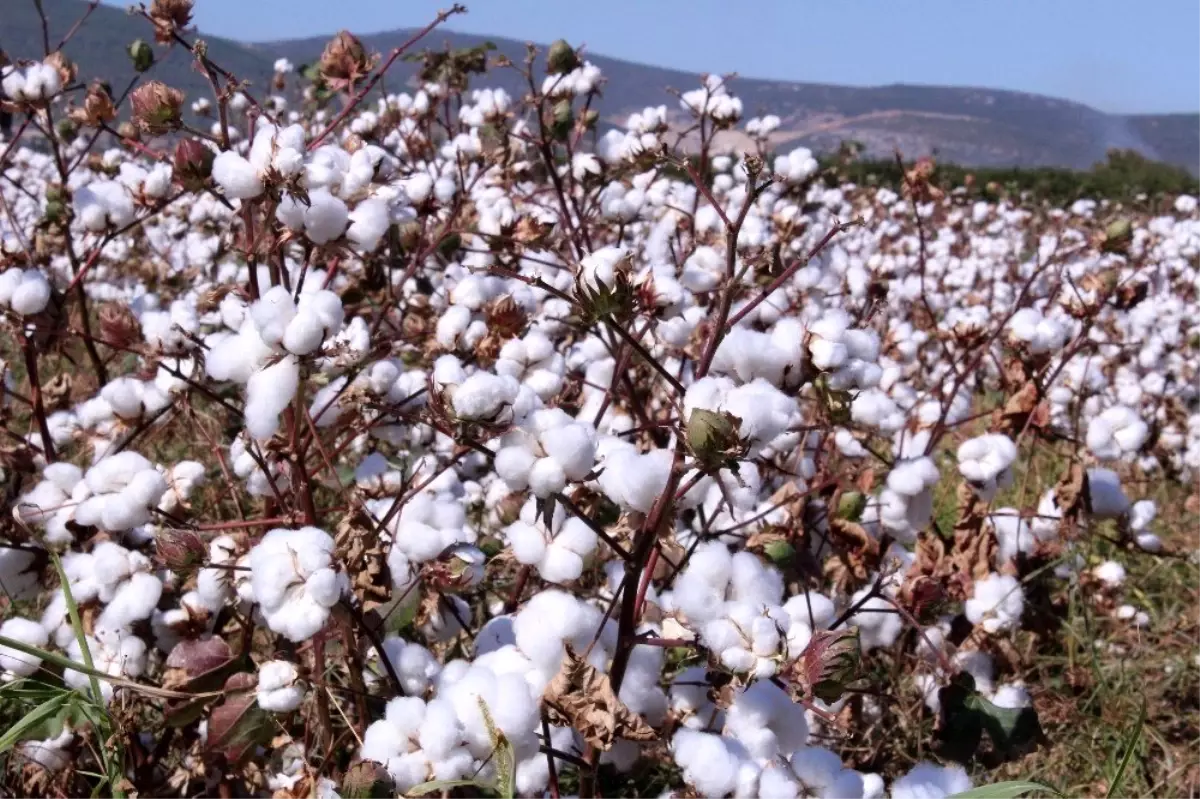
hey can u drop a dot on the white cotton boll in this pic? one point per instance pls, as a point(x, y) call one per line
point(546, 477)
point(1012, 695)
point(1148, 542)
point(236, 177)
point(51, 754)
point(878, 623)
point(1013, 535)
point(527, 542)
point(134, 601)
point(483, 395)
point(369, 220)
point(572, 448)
point(1105, 498)
point(931, 781)
point(268, 392)
point(32, 294)
point(997, 603)
point(14, 663)
point(326, 216)
point(984, 459)
point(560, 565)
point(707, 762)
point(1110, 573)
point(279, 687)
point(1116, 432)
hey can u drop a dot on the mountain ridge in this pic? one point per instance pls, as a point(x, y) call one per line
point(972, 126)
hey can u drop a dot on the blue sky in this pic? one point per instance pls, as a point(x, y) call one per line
point(1117, 56)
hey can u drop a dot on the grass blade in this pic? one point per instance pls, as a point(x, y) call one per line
point(1135, 736)
point(39, 715)
point(1010, 789)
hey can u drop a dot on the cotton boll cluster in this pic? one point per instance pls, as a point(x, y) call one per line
point(295, 581)
point(986, 463)
point(25, 291)
point(534, 361)
point(427, 525)
point(931, 781)
point(714, 100)
point(298, 327)
point(733, 603)
point(103, 205)
point(548, 450)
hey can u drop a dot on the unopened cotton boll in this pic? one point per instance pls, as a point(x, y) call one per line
point(279, 688)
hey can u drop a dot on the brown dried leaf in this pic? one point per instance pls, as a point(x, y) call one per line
point(581, 697)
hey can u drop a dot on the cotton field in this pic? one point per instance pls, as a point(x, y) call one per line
point(364, 443)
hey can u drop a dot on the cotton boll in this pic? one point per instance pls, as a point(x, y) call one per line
point(997, 603)
point(985, 462)
point(279, 687)
point(326, 216)
point(877, 621)
point(236, 177)
point(706, 761)
point(14, 663)
point(369, 220)
point(1110, 573)
point(268, 392)
point(1116, 432)
point(930, 781)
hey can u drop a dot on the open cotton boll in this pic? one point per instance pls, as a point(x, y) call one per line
point(124, 488)
point(1037, 333)
point(236, 177)
point(295, 580)
point(1116, 432)
point(26, 291)
point(279, 688)
point(709, 762)
point(985, 462)
point(415, 665)
point(483, 396)
point(52, 753)
point(116, 653)
point(369, 220)
point(318, 316)
point(1110, 573)
point(634, 480)
point(1105, 498)
point(134, 601)
point(599, 269)
point(326, 216)
point(997, 603)
point(14, 663)
point(268, 392)
point(878, 623)
point(931, 781)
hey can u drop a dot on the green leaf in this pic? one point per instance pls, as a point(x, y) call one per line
point(1005, 790)
point(965, 714)
point(31, 724)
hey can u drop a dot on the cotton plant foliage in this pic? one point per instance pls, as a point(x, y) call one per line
point(433, 435)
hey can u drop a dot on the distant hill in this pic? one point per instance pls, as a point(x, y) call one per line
point(970, 126)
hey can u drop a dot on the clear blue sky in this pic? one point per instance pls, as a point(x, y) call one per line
point(1131, 56)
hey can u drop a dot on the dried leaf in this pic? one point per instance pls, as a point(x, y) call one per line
point(581, 697)
point(238, 724)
